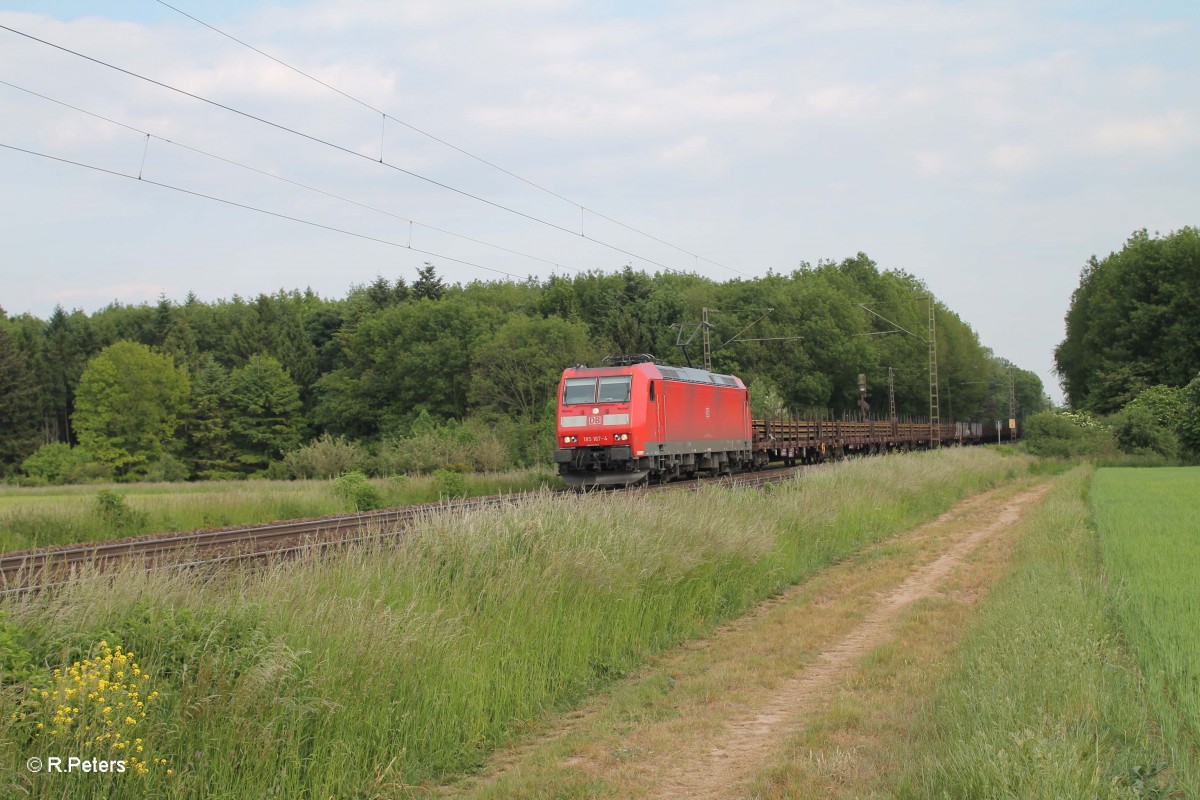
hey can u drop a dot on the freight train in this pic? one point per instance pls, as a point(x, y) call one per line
point(634, 421)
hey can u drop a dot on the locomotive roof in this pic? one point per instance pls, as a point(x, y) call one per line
point(687, 374)
point(693, 375)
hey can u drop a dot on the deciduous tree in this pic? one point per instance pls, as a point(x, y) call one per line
point(516, 370)
point(1132, 322)
point(129, 404)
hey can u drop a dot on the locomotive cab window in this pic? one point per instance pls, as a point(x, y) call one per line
point(578, 391)
point(614, 390)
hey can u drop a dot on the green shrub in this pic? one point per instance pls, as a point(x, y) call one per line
point(354, 488)
point(326, 457)
point(1139, 432)
point(523, 442)
point(471, 445)
point(275, 471)
point(116, 514)
point(167, 469)
point(1165, 403)
point(450, 484)
point(27, 481)
point(61, 463)
point(88, 471)
point(1064, 434)
point(49, 461)
point(1189, 421)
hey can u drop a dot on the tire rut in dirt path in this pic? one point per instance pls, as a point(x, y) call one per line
point(747, 742)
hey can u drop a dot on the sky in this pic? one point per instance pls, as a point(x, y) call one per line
point(988, 148)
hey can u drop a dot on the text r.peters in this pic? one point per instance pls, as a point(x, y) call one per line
point(76, 764)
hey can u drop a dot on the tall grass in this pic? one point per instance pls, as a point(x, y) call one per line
point(1149, 524)
point(382, 668)
point(65, 514)
point(1043, 702)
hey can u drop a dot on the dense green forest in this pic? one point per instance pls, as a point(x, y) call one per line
point(405, 377)
point(1134, 322)
point(1130, 362)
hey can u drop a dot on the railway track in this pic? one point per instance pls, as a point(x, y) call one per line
point(40, 569)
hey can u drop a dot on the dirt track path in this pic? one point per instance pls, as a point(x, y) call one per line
point(744, 747)
point(709, 718)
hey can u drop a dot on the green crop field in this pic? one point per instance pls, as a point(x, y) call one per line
point(1149, 526)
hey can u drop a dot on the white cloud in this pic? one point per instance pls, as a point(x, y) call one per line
point(1012, 157)
point(691, 149)
point(1161, 134)
point(842, 101)
point(934, 164)
point(621, 103)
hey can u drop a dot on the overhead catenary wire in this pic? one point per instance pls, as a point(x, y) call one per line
point(386, 116)
point(890, 322)
point(341, 148)
point(299, 184)
point(257, 209)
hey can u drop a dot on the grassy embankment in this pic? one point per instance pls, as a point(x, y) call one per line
point(36, 517)
point(372, 671)
point(1149, 525)
point(1044, 700)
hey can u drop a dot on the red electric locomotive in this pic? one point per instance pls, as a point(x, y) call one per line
point(635, 421)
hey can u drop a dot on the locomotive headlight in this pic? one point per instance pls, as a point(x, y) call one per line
point(570, 439)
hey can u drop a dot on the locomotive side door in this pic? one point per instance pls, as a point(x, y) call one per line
point(659, 395)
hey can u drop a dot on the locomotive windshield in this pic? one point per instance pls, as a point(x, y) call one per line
point(614, 390)
point(579, 390)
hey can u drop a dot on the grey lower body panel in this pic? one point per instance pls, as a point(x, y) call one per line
point(613, 478)
point(599, 466)
point(696, 446)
